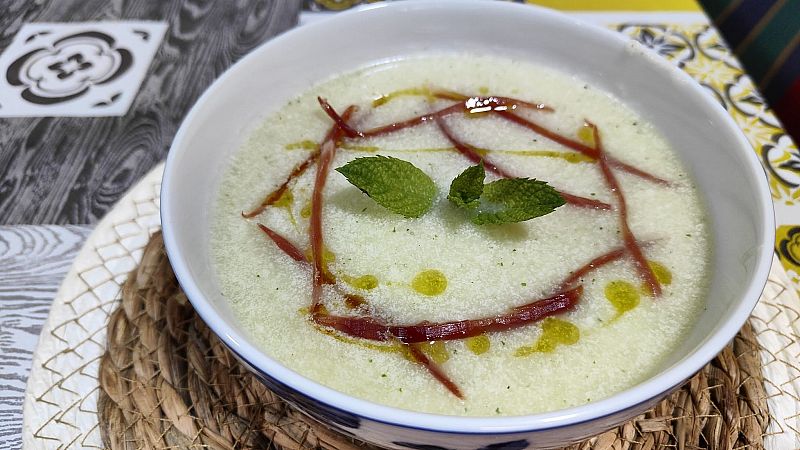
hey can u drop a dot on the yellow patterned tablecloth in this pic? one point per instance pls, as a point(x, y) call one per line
point(698, 50)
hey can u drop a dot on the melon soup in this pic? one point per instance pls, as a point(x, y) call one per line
point(432, 311)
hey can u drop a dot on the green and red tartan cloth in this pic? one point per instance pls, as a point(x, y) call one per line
point(765, 35)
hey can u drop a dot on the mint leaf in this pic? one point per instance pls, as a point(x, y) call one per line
point(467, 187)
point(395, 184)
point(516, 200)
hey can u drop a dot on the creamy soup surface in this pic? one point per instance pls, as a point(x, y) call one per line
point(442, 267)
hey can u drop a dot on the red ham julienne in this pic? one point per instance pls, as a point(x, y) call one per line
point(568, 292)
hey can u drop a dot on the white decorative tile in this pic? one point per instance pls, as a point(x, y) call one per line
point(76, 69)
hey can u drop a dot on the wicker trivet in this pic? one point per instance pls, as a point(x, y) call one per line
point(167, 381)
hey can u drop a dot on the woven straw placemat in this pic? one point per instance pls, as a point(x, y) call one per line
point(168, 382)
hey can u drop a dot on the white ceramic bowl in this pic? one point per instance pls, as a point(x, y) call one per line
point(711, 145)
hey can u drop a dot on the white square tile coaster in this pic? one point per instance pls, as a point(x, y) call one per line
point(84, 69)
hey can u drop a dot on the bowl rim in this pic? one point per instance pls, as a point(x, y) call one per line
point(655, 386)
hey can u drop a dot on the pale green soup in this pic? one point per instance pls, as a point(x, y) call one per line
point(442, 267)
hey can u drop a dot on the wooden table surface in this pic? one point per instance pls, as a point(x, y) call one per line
point(71, 170)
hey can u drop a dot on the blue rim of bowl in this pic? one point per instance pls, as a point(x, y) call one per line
point(623, 401)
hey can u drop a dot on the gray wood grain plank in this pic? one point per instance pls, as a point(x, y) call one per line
point(33, 261)
point(68, 170)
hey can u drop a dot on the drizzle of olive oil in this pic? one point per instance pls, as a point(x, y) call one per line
point(321, 309)
point(586, 135)
point(571, 157)
point(480, 151)
point(286, 201)
point(364, 282)
point(555, 332)
point(305, 213)
point(391, 348)
point(622, 295)
point(360, 148)
point(302, 145)
point(429, 282)
point(436, 350)
point(327, 255)
point(327, 258)
point(430, 95)
point(479, 344)
point(663, 276)
point(418, 91)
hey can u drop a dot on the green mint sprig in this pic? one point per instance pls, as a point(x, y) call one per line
point(502, 201)
point(397, 185)
point(402, 188)
point(516, 200)
point(467, 187)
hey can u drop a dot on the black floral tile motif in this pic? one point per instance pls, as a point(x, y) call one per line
point(788, 245)
point(76, 69)
point(68, 68)
point(661, 40)
point(782, 161)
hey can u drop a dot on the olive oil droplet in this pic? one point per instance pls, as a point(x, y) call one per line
point(286, 201)
point(555, 332)
point(327, 258)
point(327, 255)
point(305, 213)
point(364, 282)
point(663, 276)
point(479, 344)
point(436, 350)
point(586, 135)
point(623, 296)
point(429, 282)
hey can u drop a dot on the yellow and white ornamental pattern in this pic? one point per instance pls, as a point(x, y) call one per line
point(700, 52)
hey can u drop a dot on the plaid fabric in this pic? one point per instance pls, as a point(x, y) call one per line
point(765, 35)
